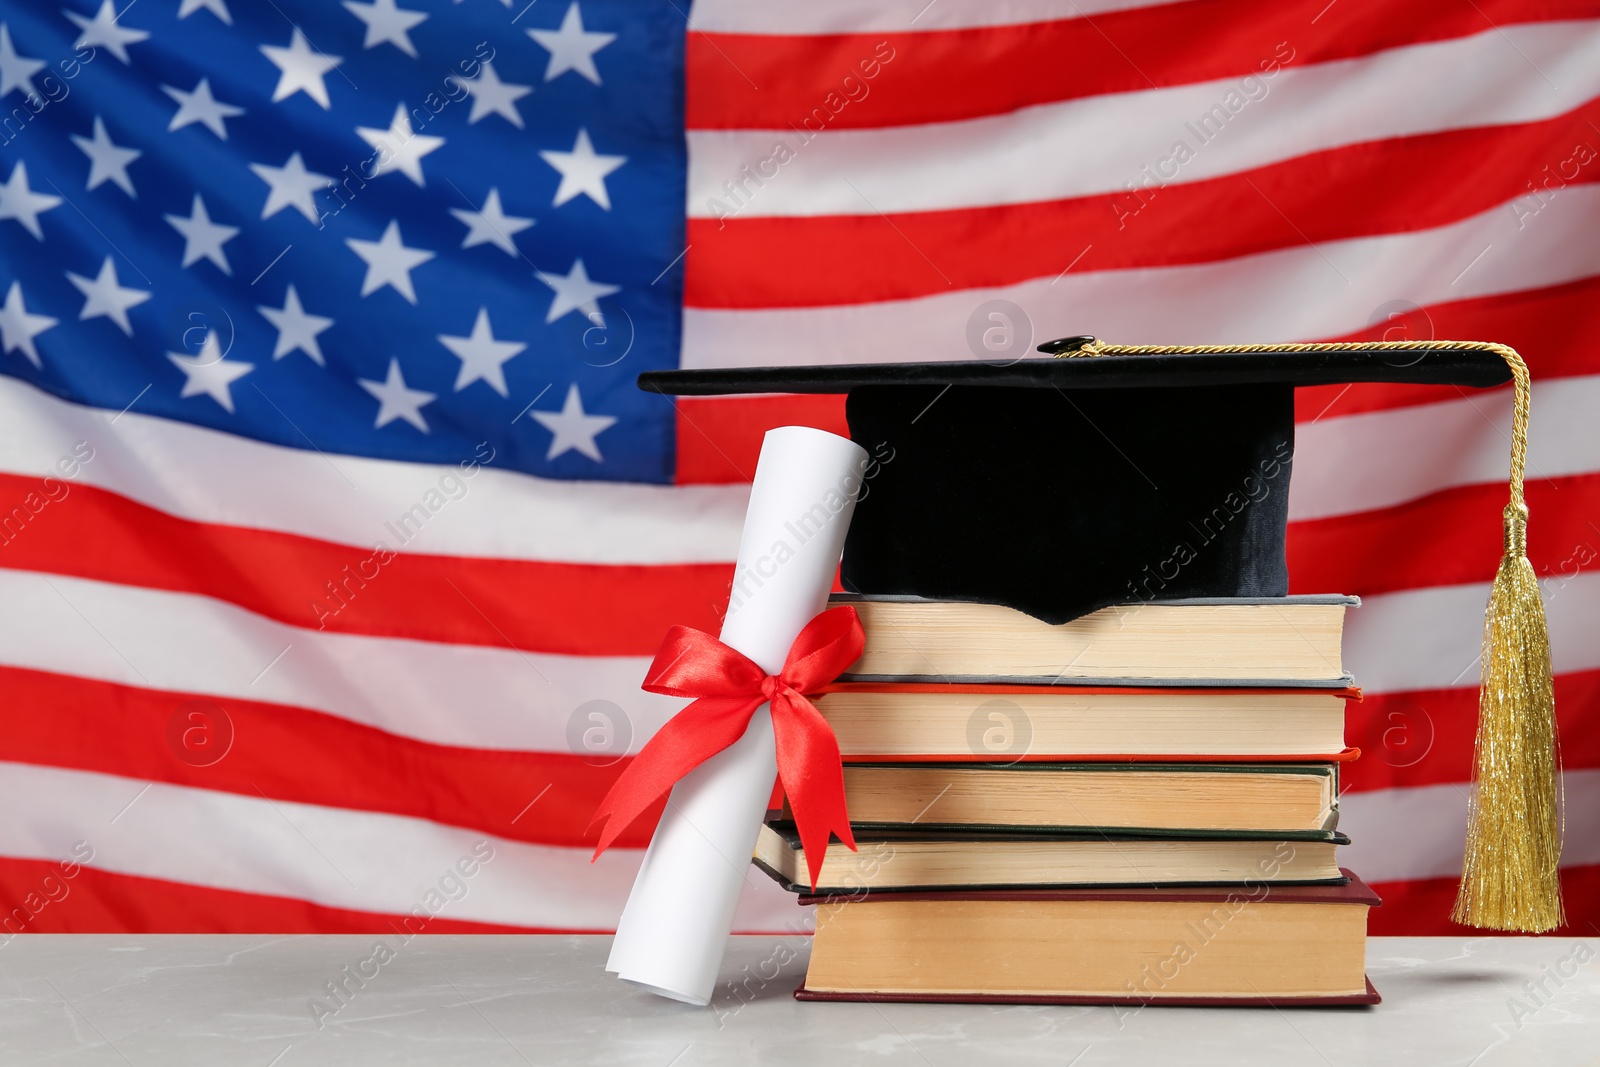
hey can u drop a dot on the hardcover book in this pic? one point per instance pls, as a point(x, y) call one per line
point(1273, 641)
point(913, 858)
point(1193, 800)
point(1252, 944)
point(923, 721)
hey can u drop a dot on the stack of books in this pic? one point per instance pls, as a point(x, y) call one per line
point(1137, 806)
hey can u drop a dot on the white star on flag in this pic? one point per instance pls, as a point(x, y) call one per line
point(387, 24)
point(19, 202)
point(301, 69)
point(583, 171)
point(18, 327)
point(201, 106)
point(104, 295)
point(297, 328)
point(482, 357)
point(389, 262)
point(491, 96)
point(571, 47)
point(202, 238)
point(16, 71)
point(489, 226)
point(396, 401)
point(291, 185)
point(573, 429)
point(208, 373)
point(575, 292)
point(107, 161)
point(218, 8)
point(403, 148)
point(104, 30)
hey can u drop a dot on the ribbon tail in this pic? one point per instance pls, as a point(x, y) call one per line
point(813, 778)
point(687, 740)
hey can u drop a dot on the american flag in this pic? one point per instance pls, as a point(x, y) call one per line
point(336, 537)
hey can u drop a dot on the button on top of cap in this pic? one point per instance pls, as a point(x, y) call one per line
point(1066, 344)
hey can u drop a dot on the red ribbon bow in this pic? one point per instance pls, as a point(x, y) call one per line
point(730, 687)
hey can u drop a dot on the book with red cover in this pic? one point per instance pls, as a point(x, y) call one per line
point(1301, 946)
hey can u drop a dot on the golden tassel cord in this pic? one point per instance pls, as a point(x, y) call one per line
point(1509, 877)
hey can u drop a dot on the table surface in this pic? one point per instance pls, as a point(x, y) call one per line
point(179, 1000)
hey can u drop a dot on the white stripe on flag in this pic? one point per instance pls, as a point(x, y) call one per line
point(891, 16)
point(209, 476)
point(1430, 638)
point(1102, 144)
point(1381, 458)
point(370, 861)
point(496, 698)
point(336, 857)
point(465, 695)
point(1402, 834)
point(1291, 294)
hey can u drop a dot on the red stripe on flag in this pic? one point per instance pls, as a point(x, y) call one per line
point(101, 902)
point(1426, 738)
point(1556, 330)
point(564, 608)
point(719, 440)
point(1450, 537)
point(1422, 909)
point(1332, 195)
point(289, 753)
point(762, 81)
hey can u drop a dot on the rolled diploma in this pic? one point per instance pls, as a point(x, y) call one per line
point(675, 927)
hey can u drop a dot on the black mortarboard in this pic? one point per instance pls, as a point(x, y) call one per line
point(1059, 486)
point(1116, 474)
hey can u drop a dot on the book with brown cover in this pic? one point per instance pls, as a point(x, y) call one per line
point(1300, 946)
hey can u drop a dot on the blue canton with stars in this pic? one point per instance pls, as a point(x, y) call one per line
point(390, 228)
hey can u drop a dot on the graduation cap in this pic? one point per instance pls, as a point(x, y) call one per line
point(1117, 474)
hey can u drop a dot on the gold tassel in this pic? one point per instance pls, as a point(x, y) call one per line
point(1509, 878)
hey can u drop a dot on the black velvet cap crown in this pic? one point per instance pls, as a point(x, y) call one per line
point(1059, 486)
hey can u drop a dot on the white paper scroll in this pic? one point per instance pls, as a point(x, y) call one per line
point(675, 927)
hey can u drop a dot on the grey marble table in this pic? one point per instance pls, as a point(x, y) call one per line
point(266, 1002)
